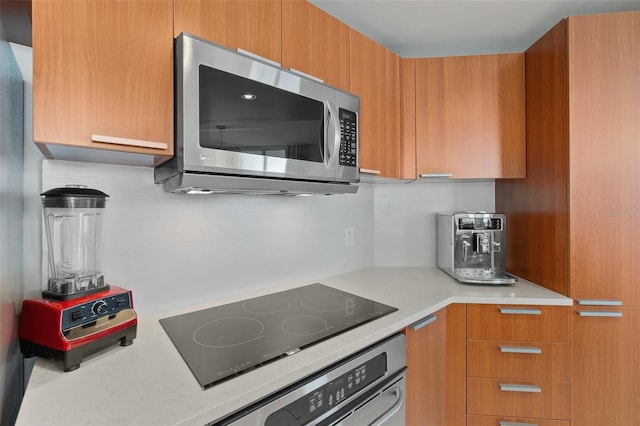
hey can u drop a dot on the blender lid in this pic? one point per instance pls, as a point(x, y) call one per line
point(74, 196)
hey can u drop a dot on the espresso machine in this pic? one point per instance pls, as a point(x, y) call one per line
point(78, 313)
point(472, 247)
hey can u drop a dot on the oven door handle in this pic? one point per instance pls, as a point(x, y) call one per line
point(391, 411)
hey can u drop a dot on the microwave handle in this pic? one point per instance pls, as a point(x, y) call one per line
point(331, 155)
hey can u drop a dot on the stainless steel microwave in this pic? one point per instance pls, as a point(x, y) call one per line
point(245, 125)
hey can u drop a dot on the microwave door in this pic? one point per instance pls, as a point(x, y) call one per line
point(254, 128)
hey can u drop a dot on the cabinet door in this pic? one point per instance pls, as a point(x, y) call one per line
point(315, 43)
point(605, 379)
point(103, 68)
point(470, 116)
point(604, 129)
point(252, 25)
point(375, 79)
point(436, 370)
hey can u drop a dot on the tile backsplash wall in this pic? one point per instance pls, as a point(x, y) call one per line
point(405, 216)
point(175, 251)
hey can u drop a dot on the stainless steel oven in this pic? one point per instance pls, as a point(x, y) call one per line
point(365, 389)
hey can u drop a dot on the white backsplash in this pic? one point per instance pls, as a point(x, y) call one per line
point(175, 251)
point(405, 216)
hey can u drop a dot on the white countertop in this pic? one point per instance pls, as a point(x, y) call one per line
point(149, 383)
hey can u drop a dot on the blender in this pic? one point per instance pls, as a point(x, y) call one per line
point(78, 313)
point(74, 218)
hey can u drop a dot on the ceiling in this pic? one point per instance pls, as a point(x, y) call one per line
point(430, 28)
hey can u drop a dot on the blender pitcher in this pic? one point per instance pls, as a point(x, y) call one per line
point(74, 218)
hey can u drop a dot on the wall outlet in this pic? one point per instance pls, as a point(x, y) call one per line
point(349, 236)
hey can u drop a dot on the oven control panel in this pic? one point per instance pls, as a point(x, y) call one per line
point(326, 397)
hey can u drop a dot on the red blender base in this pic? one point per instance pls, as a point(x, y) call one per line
point(69, 330)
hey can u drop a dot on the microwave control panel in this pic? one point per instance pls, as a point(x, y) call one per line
point(348, 138)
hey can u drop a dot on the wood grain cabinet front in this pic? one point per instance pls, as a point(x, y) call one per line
point(375, 78)
point(251, 25)
point(582, 189)
point(518, 323)
point(103, 80)
point(436, 369)
point(470, 116)
point(315, 43)
point(513, 421)
point(518, 362)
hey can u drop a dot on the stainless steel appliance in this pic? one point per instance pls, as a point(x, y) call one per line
point(221, 342)
point(79, 313)
point(472, 247)
point(365, 389)
point(244, 124)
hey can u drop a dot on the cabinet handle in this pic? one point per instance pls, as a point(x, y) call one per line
point(423, 322)
point(593, 302)
point(520, 311)
point(520, 349)
point(599, 314)
point(370, 171)
point(129, 142)
point(519, 388)
point(436, 175)
point(505, 423)
point(304, 74)
point(260, 58)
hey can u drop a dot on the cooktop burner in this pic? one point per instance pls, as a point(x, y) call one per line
point(224, 341)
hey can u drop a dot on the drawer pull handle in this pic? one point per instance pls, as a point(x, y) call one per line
point(520, 349)
point(423, 322)
point(370, 171)
point(505, 423)
point(520, 311)
point(592, 302)
point(435, 175)
point(519, 388)
point(600, 314)
point(129, 142)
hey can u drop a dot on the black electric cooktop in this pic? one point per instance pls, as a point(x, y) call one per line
point(224, 341)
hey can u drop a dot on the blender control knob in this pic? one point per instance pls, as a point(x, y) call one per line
point(100, 307)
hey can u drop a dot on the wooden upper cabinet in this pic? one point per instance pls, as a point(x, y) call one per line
point(407, 118)
point(103, 68)
point(470, 116)
point(251, 25)
point(375, 79)
point(604, 157)
point(315, 43)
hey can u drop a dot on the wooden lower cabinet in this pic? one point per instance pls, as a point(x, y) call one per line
point(512, 421)
point(518, 365)
point(436, 369)
point(605, 379)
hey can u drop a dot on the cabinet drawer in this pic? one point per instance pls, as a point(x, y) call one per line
point(518, 360)
point(512, 421)
point(518, 323)
point(521, 398)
